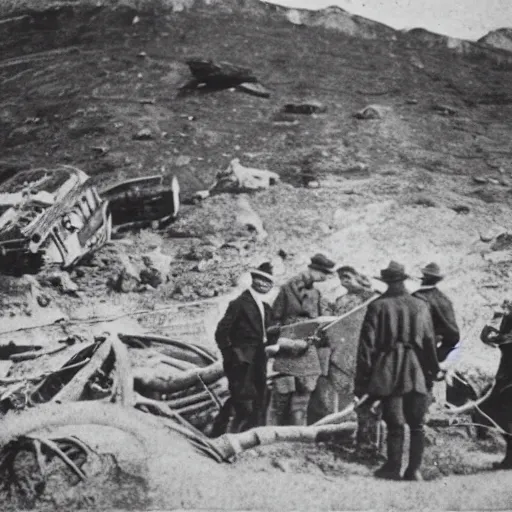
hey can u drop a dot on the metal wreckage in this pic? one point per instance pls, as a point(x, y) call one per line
point(57, 215)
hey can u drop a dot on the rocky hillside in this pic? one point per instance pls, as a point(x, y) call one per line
point(501, 38)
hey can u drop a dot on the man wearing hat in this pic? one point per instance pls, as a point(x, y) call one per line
point(396, 364)
point(298, 300)
point(441, 309)
point(241, 338)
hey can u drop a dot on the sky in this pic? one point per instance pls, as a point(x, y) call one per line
point(467, 19)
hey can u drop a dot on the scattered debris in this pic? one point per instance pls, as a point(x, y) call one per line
point(305, 107)
point(237, 178)
point(141, 201)
point(50, 216)
point(223, 75)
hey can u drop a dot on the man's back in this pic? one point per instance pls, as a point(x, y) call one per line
point(397, 346)
point(398, 318)
point(443, 318)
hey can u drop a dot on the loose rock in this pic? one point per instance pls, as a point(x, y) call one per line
point(128, 279)
point(371, 112)
point(62, 281)
point(144, 134)
point(502, 241)
point(444, 110)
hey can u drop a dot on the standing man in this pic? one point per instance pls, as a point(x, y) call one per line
point(325, 396)
point(359, 290)
point(241, 338)
point(298, 300)
point(499, 404)
point(441, 309)
point(397, 363)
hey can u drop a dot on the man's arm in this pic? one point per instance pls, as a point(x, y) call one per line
point(429, 351)
point(279, 308)
point(365, 353)
point(449, 329)
point(223, 331)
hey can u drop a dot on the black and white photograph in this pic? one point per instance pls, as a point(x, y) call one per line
point(255, 255)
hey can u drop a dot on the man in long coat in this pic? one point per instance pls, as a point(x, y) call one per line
point(298, 300)
point(241, 338)
point(499, 405)
point(441, 309)
point(397, 363)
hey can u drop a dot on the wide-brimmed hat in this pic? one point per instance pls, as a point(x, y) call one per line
point(322, 263)
point(346, 269)
point(432, 270)
point(264, 271)
point(394, 272)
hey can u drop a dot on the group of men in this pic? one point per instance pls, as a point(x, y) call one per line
point(403, 340)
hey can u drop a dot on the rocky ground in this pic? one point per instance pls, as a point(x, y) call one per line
point(429, 178)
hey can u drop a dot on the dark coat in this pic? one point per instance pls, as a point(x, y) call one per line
point(297, 302)
point(499, 404)
point(241, 339)
point(443, 317)
point(396, 352)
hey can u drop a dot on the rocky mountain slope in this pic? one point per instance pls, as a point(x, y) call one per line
point(501, 38)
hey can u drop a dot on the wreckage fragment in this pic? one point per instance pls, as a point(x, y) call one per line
point(141, 201)
point(223, 75)
point(50, 216)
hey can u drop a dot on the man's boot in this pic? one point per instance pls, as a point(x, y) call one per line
point(416, 450)
point(395, 447)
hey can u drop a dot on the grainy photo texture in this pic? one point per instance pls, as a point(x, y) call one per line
point(255, 256)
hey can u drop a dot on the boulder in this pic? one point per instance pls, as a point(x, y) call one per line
point(237, 178)
point(156, 268)
point(128, 278)
point(502, 242)
point(371, 112)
